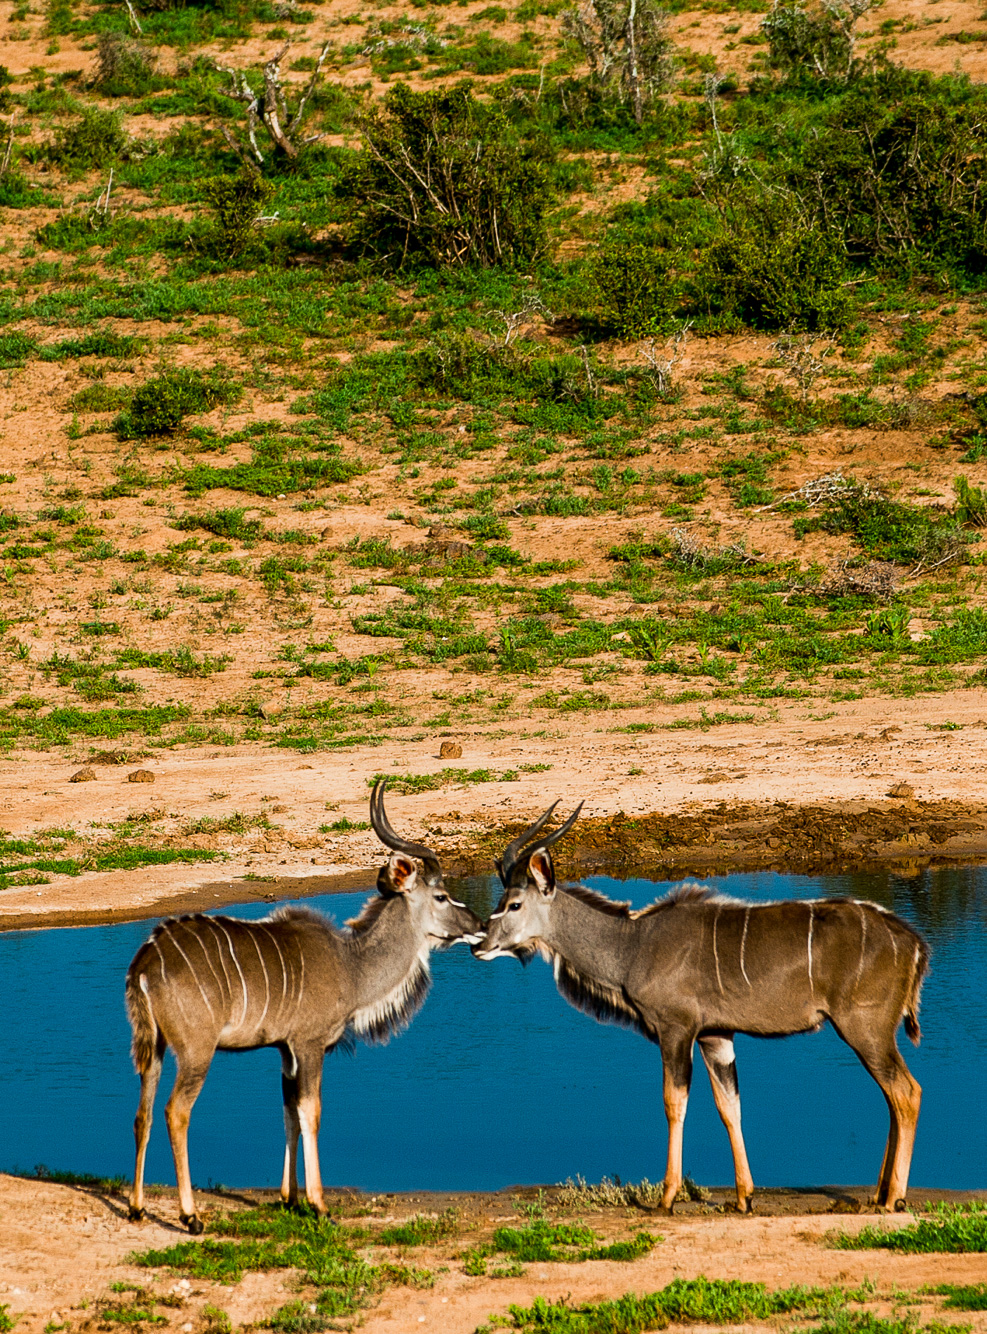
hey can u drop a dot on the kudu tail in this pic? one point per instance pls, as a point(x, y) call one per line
point(919, 969)
point(147, 1035)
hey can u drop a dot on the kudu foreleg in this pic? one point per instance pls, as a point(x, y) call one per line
point(188, 1084)
point(309, 1112)
point(721, 1063)
point(142, 1131)
point(676, 1054)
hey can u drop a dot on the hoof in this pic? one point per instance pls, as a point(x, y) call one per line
point(136, 1215)
point(746, 1207)
point(193, 1222)
point(901, 1206)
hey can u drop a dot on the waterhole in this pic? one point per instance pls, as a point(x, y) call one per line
point(499, 1081)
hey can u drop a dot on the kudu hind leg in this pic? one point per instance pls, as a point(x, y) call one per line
point(188, 1085)
point(903, 1094)
point(676, 1055)
point(292, 1128)
point(142, 1127)
point(721, 1063)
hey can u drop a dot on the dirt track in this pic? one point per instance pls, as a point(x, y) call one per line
point(801, 792)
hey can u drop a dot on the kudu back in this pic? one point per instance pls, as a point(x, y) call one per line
point(292, 981)
point(699, 967)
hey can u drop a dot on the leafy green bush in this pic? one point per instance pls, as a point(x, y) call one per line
point(815, 39)
point(442, 180)
point(888, 530)
point(159, 406)
point(899, 168)
point(768, 270)
point(96, 139)
point(633, 290)
point(125, 67)
point(237, 201)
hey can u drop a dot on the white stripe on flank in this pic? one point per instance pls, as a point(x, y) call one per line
point(284, 967)
point(743, 943)
point(863, 943)
point(812, 923)
point(716, 953)
point(188, 964)
point(228, 995)
point(267, 981)
point(243, 980)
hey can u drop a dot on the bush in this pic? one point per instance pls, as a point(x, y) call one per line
point(817, 40)
point(124, 66)
point(773, 273)
point(237, 201)
point(626, 46)
point(96, 139)
point(900, 169)
point(443, 181)
point(633, 291)
point(159, 405)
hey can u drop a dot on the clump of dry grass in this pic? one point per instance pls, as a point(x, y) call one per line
point(612, 1193)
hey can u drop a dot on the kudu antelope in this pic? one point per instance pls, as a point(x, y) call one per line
point(292, 981)
point(698, 967)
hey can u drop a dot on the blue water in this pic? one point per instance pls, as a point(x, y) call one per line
point(498, 1081)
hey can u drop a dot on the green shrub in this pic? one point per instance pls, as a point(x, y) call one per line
point(96, 139)
point(125, 67)
point(815, 40)
point(633, 290)
point(159, 406)
point(237, 202)
point(769, 271)
point(442, 180)
point(888, 530)
point(898, 169)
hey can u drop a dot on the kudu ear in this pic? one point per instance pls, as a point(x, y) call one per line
point(398, 876)
point(542, 872)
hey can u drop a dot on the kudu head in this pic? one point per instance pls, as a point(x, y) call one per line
point(528, 876)
point(441, 918)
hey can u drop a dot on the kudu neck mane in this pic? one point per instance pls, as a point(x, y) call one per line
point(390, 959)
point(591, 944)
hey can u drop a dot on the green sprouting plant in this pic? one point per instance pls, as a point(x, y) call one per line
point(96, 139)
point(971, 503)
point(961, 1297)
point(160, 405)
point(443, 180)
point(948, 1228)
point(237, 202)
point(7, 1321)
point(887, 529)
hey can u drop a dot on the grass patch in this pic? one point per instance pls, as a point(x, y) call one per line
point(271, 1238)
point(685, 1301)
point(950, 1228)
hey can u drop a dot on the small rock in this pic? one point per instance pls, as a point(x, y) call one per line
point(271, 709)
point(140, 776)
point(901, 790)
point(886, 733)
point(450, 750)
point(86, 775)
point(327, 533)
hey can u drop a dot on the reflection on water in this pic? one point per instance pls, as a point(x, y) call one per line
point(498, 1081)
